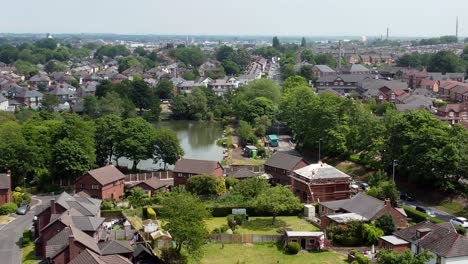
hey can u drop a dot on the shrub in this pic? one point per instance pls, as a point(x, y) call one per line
point(8, 208)
point(460, 230)
point(235, 220)
point(230, 182)
point(107, 205)
point(418, 216)
point(151, 213)
point(171, 255)
point(360, 259)
point(293, 248)
point(220, 230)
point(26, 237)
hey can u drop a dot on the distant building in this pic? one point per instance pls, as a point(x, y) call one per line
point(280, 165)
point(102, 183)
point(186, 168)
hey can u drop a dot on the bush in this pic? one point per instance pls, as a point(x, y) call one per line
point(460, 230)
point(235, 220)
point(107, 205)
point(220, 230)
point(230, 182)
point(418, 216)
point(151, 213)
point(8, 208)
point(293, 248)
point(170, 255)
point(27, 235)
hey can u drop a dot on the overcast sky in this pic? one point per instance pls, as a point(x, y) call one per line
point(236, 17)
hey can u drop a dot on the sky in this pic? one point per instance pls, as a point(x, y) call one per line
point(406, 18)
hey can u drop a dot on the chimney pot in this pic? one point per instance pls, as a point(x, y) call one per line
point(388, 202)
point(52, 206)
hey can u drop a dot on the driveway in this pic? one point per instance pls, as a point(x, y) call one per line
point(10, 234)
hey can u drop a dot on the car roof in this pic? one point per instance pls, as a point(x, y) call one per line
point(461, 218)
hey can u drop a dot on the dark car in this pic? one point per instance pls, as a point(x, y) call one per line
point(406, 196)
point(425, 210)
point(23, 209)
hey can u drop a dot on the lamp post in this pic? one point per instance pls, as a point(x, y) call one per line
point(319, 149)
point(393, 174)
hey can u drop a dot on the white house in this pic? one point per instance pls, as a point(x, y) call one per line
point(441, 240)
point(3, 103)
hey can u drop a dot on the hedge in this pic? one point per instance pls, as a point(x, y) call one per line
point(112, 211)
point(8, 208)
point(223, 211)
point(418, 216)
point(27, 236)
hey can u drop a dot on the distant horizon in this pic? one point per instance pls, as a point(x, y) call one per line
point(424, 18)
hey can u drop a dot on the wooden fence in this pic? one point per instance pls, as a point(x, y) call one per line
point(245, 238)
point(234, 168)
point(139, 177)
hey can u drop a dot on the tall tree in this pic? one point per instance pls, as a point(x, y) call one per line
point(141, 95)
point(165, 89)
point(70, 160)
point(276, 200)
point(135, 140)
point(107, 138)
point(303, 42)
point(184, 217)
point(276, 44)
point(167, 147)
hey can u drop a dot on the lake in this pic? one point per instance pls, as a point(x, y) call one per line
point(197, 138)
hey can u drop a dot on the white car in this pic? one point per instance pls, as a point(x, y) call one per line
point(460, 221)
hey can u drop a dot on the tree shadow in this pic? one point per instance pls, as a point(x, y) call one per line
point(263, 224)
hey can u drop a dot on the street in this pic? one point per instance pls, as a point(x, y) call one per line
point(10, 234)
point(439, 214)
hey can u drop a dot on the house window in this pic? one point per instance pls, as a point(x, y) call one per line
point(95, 187)
point(335, 83)
point(179, 174)
point(451, 114)
point(341, 83)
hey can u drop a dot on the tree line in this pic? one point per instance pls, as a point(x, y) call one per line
point(50, 146)
point(428, 151)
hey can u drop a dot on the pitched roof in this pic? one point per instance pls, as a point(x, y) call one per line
point(3, 98)
point(86, 223)
point(5, 181)
point(83, 205)
point(156, 183)
point(243, 173)
point(111, 247)
point(61, 240)
point(324, 68)
point(139, 249)
point(195, 166)
point(107, 174)
point(361, 204)
point(89, 257)
point(283, 161)
point(320, 171)
point(440, 240)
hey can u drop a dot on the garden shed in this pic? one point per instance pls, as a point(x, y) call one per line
point(307, 240)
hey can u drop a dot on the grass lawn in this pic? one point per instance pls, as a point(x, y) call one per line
point(353, 169)
point(262, 225)
point(263, 253)
point(248, 161)
point(27, 256)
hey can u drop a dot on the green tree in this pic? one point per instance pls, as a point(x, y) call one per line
point(207, 185)
point(49, 103)
point(165, 89)
point(138, 197)
point(179, 107)
point(391, 257)
point(230, 67)
point(103, 88)
point(446, 61)
point(251, 187)
point(109, 127)
point(325, 59)
point(112, 104)
point(184, 217)
point(26, 68)
point(371, 234)
point(140, 51)
point(276, 200)
point(385, 190)
point(141, 95)
point(196, 104)
point(293, 82)
point(303, 42)
point(135, 140)
point(8, 53)
point(385, 222)
point(189, 75)
point(167, 147)
point(276, 43)
point(306, 72)
point(224, 52)
point(287, 70)
point(308, 56)
point(91, 106)
point(246, 133)
point(14, 150)
point(70, 160)
point(53, 66)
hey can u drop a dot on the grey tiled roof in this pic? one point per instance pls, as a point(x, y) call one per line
point(283, 161)
point(361, 204)
point(111, 247)
point(89, 257)
point(195, 166)
point(86, 223)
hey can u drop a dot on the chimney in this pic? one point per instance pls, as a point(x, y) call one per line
point(52, 206)
point(421, 232)
point(388, 202)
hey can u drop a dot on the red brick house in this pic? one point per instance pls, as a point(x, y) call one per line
point(322, 70)
point(281, 164)
point(393, 243)
point(103, 183)
point(186, 168)
point(5, 188)
point(360, 207)
point(320, 182)
point(453, 113)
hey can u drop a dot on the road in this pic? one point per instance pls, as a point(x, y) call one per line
point(10, 234)
point(439, 214)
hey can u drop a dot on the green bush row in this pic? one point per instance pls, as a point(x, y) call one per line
point(8, 208)
point(27, 237)
point(418, 216)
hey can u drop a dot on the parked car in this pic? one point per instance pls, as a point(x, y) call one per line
point(460, 221)
point(22, 210)
point(425, 210)
point(406, 196)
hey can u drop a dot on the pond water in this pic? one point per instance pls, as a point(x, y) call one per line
point(197, 138)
